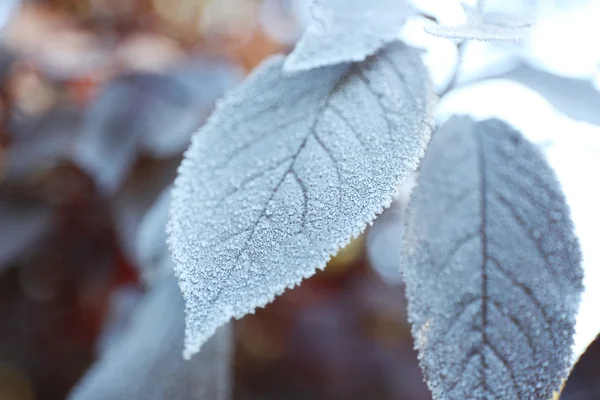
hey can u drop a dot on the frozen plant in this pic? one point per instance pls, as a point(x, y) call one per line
point(307, 152)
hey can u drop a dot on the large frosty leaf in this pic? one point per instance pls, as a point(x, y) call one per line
point(487, 26)
point(492, 266)
point(285, 172)
point(146, 362)
point(347, 30)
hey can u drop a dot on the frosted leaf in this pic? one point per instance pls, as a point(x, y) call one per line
point(146, 363)
point(152, 249)
point(488, 26)
point(286, 171)
point(347, 30)
point(492, 266)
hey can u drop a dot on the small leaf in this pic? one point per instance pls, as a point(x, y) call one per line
point(492, 266)
point(286, 171)
point(489, 26)
point(146, 362)
point(347, 30)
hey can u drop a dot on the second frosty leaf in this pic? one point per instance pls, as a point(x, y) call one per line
point(286, 171)
point(492, 267)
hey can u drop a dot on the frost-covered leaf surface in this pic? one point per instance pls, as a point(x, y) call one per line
point(492, 266)
point(146, 363)
point(488, 26)
point(347, 30)
point(285, 172)
point(575, 157)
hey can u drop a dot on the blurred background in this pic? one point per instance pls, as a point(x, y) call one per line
point(98, 99)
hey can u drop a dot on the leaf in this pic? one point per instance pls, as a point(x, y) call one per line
point(146, 362)
point(42, 142)
point(137, 194)
point(286, 171)
point(584, 380)
point(152, 249)
point(489, 26)
point(382, 248)
point(148, 112)
point(347, 30)
point(492, 266)
point(24, 221)
point(205, 80)
point(576, 98)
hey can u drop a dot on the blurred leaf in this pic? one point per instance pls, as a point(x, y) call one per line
point(155, 258)
point(40, 143)
point(206, 80)
point(383, 244)
point(347, 30)
point(149, 112)
point(576, 98)
point(136, 196)
point(146, 363)
point(128, 109)
point(492, 266)
point(23, 221)
point(286, 171)
point(282, 19)
point(584, 380)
